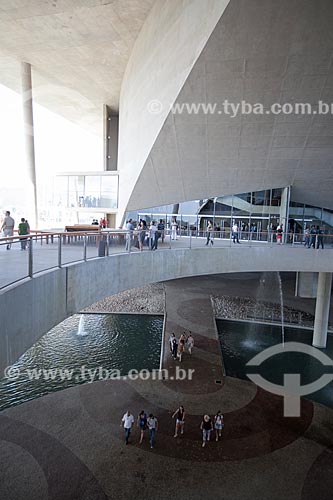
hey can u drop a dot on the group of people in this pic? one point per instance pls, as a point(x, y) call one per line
point(143, 423)
point(8, 230)
point(150, 423)
point(145, 235)
point(210, 233)
point(314, 237)
point(102, 223)
point(177, 347)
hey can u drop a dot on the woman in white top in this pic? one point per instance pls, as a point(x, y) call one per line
point(190, 343)
point(180, 420)
point(218, 424)
point(174, 226)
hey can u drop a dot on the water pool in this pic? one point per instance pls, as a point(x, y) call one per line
point(241, 341)
point(98, 342)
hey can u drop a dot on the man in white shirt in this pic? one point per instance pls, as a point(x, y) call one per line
point(235, 231)
point(8, 227)
point(153, 236)
point(174, 226)
point(128, 421)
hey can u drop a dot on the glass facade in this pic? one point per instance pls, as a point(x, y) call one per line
point(255, 212)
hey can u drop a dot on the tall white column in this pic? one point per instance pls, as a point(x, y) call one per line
point(322, 310)
point(29, 136)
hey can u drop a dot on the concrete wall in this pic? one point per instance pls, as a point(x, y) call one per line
point(28, 310)
point(261, 51)
point(307, 284)
point(172, 38)
point(31, 308)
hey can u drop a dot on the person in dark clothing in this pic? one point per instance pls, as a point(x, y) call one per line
point(174, 348)
point(313, 233)
point(142, 424)
point(206, 427)
point(161, 230)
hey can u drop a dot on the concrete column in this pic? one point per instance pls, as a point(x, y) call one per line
point(322, 310)
point(110, 139)
point(29, 137)
point(284, 210)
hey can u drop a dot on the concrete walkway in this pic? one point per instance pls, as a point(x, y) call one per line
point(15, 266)
point(69, 445)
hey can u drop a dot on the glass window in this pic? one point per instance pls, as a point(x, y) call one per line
point(109, 191)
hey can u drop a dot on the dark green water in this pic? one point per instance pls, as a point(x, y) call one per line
point(241, 341)
point(106, 343)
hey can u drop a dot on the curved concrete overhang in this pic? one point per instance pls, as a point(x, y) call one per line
point(78, 50)
point(261, 51)
point(170, 42)
point(32, 307)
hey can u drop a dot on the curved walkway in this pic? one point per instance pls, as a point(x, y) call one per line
point(41, 302)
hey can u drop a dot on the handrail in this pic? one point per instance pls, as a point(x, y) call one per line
point(81, 246)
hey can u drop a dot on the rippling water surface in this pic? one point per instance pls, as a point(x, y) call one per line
point(97, 342)
point(241, 341)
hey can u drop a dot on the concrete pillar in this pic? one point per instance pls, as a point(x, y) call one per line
point(29, 137)
point(322, 310)
point(111, 218)
point(284, 210)
point(110, 139)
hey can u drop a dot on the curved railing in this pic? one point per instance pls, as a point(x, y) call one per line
point(41, 251)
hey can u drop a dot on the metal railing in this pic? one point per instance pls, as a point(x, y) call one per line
point(42, 251)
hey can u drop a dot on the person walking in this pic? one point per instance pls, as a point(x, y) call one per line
point(8, 227)
point(313, 233)
point(307, 238)
point(153, 427)
point(142, 233)
point(22, 231)
point(209, 234)
point(128, 421)
point(218, 424)
point(161, 229)
point(206, 427)
point(235, 233)
point(142, 424)
point(153, 236)
point(171, 339)
point(320, 238)
point(174, 348)
point(190, 343)
point(279, 233)
point(174, 226)
point(129, 235)
point(181, 346)
point(180, 420)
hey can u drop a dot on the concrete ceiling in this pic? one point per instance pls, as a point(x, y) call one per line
point(78, 50)
point(263, 51)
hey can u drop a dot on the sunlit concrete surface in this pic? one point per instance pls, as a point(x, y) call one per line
point(261, 51)
point(78, 51)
